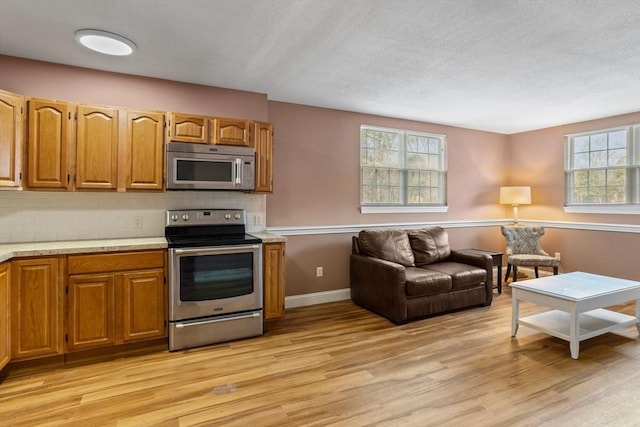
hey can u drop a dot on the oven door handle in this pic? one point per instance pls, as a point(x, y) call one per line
point(212, 250)
point(223, 319)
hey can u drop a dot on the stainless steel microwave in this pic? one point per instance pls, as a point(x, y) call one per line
point(210, 167)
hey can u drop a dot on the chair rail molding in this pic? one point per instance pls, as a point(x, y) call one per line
point(355, 228)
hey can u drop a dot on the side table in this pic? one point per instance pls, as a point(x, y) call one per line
point(497, 261)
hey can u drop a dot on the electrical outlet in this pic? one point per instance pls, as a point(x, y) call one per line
point(257, 219)
point(137, 222)
point(558, 257)
point(319, 272)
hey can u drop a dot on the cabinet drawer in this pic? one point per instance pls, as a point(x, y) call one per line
point(122, 261)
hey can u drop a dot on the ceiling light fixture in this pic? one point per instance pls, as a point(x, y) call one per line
point(105, 42)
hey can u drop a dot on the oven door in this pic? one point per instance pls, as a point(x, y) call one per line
point(211, 281)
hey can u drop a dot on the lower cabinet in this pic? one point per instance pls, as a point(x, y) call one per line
point(115, 299)
point(5, 314)
point(273, 272)
point(36, 308)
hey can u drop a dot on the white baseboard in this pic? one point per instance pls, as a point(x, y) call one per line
point(317, 298)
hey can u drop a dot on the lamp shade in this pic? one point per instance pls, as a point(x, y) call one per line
point(515, 195)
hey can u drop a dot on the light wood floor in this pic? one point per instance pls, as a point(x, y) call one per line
point(338, 364)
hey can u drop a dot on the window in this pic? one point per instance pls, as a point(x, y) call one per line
point(401, 169)
point(602, 171)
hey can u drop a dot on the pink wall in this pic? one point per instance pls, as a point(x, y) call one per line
point(55, 81)
point(537, 159)
point(317, 161)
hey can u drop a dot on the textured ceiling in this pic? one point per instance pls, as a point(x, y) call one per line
point(500, 65)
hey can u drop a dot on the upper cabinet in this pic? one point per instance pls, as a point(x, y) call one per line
point(262, 141)
point(97, 148)
point(88, 147)
point(11, 137)
point(49, 137)
point(230, 132)
point(144, 150)
point(188, 128)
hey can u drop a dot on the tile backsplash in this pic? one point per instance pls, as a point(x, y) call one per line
point(36, 216)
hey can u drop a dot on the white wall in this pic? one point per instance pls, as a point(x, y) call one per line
point(28, 216)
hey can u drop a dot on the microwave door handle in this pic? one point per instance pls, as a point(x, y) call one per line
point(238, 173)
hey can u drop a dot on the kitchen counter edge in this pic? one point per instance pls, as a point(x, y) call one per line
point(35, 249)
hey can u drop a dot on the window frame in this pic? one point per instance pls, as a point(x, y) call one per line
point(403, 206)
point(631, 205)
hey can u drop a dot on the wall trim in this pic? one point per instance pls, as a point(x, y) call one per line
point(317, 298)
point(355, 228)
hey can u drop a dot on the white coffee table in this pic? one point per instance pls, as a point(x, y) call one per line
point(578, 300)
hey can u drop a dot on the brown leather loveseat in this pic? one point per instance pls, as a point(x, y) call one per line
point(407, 274)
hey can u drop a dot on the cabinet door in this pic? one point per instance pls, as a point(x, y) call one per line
point(11, 134)
point(273, 272)
point(36, 308)
point(144, 150)
point(230, 132)
point(97, 148)
point(48, 142)
point(90, 311)
point(143, 305)
point(5, 315)
point(188, 128)
point(262, 141)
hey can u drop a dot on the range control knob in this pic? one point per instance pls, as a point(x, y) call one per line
point(185, 217)
point(227, 216)
point(237, 216)
point(174, 217)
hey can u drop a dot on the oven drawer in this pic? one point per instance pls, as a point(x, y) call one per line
point(211, 330)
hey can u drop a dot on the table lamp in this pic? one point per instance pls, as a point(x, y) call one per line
point(515, 196)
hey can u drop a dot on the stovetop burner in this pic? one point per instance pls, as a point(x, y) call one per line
point(207, 227)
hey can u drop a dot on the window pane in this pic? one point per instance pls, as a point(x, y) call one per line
point(618, 157)
point(417, 161)
point(598, 159)
point(618, 139)
point(598, 142)
point(581, 144)
point(581, 161)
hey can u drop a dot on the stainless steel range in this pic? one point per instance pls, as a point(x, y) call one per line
point(215, 277)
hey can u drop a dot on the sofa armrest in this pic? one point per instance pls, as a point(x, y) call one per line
point(379, 286)
point(483, 261)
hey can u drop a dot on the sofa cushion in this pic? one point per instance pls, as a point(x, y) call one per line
point(390, 245)
point(420, 281)
point(429, 245)
point(463, 276)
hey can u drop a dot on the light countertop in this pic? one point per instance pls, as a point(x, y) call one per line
point(28, 249)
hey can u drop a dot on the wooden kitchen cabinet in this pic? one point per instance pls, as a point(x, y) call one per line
point(89, 147)
point(11, 137)
point(5, 314)
point(96, 148)
point(115, 298)
point(90, 311)
point(49, 140)
point(143, 151)
point(36, 308)
point(143, 305)
point(188, 128)
point(230, 132)
point(273, 279)
point(262, 142)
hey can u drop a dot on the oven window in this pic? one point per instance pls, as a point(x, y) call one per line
point(203, 170)
point(212, 277)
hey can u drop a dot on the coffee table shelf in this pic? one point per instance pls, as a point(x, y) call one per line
point(591, 324)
